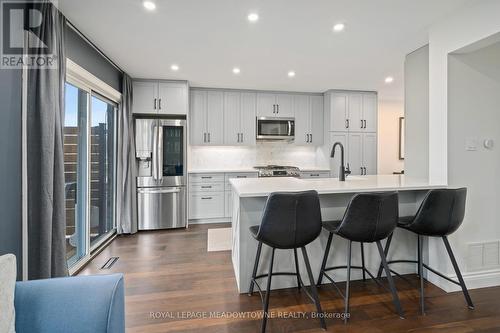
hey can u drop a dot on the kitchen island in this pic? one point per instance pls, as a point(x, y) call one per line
point(249, 198)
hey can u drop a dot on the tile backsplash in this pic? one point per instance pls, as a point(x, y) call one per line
point(263, 153)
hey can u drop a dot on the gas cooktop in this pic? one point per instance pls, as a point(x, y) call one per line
point(278, 171)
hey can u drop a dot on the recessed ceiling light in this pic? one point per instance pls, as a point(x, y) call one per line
point(291, 74)
point(253, 17)
point(174, 67)
point(389, 79)
point(149, 4)
point(236, 70)
point(339, 27)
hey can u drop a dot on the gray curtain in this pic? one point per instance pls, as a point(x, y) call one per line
point(126, 211)
point(45, 117)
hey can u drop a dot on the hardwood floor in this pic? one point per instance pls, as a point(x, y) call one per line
point(170, 276)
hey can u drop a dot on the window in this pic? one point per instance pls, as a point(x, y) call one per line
point(89, 164)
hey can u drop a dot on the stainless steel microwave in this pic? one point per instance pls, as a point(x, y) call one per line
point(275, 128)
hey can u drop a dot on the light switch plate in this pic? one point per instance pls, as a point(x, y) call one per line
point(471, 144)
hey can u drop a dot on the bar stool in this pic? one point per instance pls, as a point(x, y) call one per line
point(369, 218)
point(291, 220)
point(440, 214)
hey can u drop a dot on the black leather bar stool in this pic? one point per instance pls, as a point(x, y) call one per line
point(440, 214)
point(291, 220)
point(369, 218)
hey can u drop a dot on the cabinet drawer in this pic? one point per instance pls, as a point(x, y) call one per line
point(238, 175)
point(206, 187)
point(206, 205)
point(197, 178)
point(319, 174)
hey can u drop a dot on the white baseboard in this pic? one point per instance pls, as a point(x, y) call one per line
point(473, 280)
point(211, 221)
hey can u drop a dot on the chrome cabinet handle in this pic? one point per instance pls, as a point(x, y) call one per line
point(277, 108)
point(365, 123)
point(159, 104)
point(307, 137)
point(310, 138)
point(154, 105)
point(347, 123)
point(274, 108)
point(362, 123)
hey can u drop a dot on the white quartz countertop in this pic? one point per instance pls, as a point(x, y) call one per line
point(246, 169)
point(258, 187)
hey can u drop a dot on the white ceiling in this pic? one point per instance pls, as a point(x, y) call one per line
point(207, 38)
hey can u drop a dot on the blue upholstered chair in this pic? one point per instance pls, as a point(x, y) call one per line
point(82, 304)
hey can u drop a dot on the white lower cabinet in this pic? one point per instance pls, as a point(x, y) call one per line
point(210, 194)
point(360, 152)
point(206, 205)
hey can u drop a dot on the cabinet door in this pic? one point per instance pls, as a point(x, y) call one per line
point(145, 97)
point(302, 110)
point(198, 117)
point(232, 118)
point(370, 112)
point(338, 112)
point(317, 120)
point(370, 153)
point(206, 205)
point(341, 137)
point(247, 117)
point(355, 153)
point(355, 112)
point(285, 105)
point(228, 204)
point(172, 98)
point(266, 105)
point(215, 117)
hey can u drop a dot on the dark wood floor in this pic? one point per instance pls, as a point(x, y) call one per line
point(170, 274)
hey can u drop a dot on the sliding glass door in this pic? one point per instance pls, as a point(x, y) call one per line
point(89, 166)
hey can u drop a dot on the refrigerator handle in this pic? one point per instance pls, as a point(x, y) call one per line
point(155, 153)
point(160, 153)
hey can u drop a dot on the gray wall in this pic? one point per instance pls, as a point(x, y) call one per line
point(82, 53)
point(417, 113)
point(10, 164)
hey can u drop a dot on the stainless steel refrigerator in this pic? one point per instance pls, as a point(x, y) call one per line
point(161, 173)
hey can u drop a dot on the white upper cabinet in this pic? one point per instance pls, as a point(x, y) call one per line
point(215, 117)
point(351, 111)
point(172, 98)
point(160, 97)
point(232, 117)
point(275, 105)
point(247, 118)
point(266, 105)
point(145, 97)
point(198, 117)
point(317, 111)
point(370, 114)
point(338, 112)
point(308, 111)
point(206, 117)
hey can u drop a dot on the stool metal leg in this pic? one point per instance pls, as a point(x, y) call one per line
point(386, 251)
point(255, 267)
point(363, 260)
point(314, 291)
point(420, 273)
point(395, 297)
point(457, 271)
point(297, 267)
point(268, 292)
point(325, 258)
point(347, 282)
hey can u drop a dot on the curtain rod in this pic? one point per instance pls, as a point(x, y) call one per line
point(75, 29)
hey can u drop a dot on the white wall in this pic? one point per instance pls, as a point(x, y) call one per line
point(474, 114)
point(417, 113)
point(388, 137)
point(226, 157)
point(471, 24)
